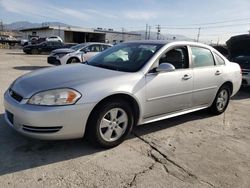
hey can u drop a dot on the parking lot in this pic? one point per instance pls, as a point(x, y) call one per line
point(194, 150)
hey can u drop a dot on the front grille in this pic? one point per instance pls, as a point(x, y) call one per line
point(10, 117)
point(41, 129)
point(15, 95)
point(52, 60)
point(244, 73)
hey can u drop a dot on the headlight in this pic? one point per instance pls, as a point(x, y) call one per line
point(55, 97)
point(60, 55)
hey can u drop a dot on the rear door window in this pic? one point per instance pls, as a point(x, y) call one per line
point(219, 60)
point(202, 57)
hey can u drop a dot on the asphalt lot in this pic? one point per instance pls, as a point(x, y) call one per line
point(194, 150)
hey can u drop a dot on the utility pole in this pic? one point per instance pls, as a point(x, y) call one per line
point(218, 41)
point(149, 28)
point(199, 33)
point(146, 32)
point(59, 30)
point(158, 31)
point(1, 25)
point(122, 34)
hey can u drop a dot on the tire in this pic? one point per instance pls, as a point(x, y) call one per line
point(104, 129)
point(221, 100)
point(73, 60)
point(34, 51)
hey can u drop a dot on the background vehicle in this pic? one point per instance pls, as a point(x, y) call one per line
point(105, 97)
point(54, 38)
point(79, 53)
point(44, 47)
point(10, 40)
point(244, 62)
point(239, 51)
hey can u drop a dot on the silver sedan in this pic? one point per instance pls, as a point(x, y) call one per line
point(129, 84)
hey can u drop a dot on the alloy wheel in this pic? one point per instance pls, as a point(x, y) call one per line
point(222, 100)
point(113, 124)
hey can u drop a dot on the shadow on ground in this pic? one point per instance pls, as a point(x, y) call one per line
point(19, 153)
point(29, 67)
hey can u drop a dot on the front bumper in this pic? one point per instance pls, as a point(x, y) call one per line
point(27, 51)
point(53, 60)
point(48, 123)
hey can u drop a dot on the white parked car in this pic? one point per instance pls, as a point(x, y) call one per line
point(54, 38)
point(105, 97)
point(76, 54)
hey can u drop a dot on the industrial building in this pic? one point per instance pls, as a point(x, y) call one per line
point(80, 35)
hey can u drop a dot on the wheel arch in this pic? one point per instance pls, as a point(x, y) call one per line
point(230, 85)
point(75, 57)
point(121, 96)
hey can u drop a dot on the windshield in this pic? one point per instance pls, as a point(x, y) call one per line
point(78, 46)
point(126, 57)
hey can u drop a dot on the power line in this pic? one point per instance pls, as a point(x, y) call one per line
point(206, 27)
point(208, 23)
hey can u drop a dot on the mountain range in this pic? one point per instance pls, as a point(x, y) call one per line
point(15, 26)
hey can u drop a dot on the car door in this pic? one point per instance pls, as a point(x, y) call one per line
point(91, 51)
point(47, 48)
point(169, 92)
point(207, 76)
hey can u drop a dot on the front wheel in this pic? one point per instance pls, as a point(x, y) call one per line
point(73, 60)
point(110, 123)
point(221, 101)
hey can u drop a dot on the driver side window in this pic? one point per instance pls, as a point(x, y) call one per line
point(177, 56)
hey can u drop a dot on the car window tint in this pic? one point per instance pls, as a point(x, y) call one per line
point(219, 60)
point(202, 57)
point(104, 47)
point(178, 57)
point(94, 48)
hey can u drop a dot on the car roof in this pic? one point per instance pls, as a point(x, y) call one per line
point(165, 42)
point(89, 43)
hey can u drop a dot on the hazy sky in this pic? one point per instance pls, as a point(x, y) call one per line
point(175, 16)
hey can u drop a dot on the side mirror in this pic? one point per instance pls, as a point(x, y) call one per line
point(86, 50)
point(165, 67)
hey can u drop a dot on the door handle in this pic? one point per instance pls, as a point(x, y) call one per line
point(186, 77)
point(218, 73)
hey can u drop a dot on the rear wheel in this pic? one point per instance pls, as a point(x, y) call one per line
point(221, 100)
point(73, 60)
point(110, 123)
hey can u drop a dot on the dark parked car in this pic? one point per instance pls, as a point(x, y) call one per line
point(239, 52)
point(44, 47)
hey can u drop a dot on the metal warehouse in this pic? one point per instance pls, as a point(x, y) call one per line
point(80, 35)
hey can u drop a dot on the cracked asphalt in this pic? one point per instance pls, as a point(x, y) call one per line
point(194, 150)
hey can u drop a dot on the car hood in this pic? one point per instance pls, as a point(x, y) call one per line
point(63, 50)
point(68, 76)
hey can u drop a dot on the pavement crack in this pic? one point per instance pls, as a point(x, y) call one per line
point(133, 182)
point(170, 166)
